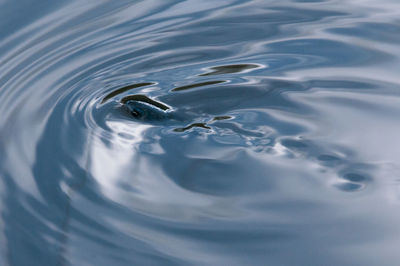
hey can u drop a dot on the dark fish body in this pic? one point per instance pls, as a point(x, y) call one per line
point(148, 112)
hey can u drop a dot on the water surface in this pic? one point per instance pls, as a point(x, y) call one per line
point(270, 135)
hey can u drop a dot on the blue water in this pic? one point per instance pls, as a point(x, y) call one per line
point(200, 132)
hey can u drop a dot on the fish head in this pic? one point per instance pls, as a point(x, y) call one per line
point(144, 111)
point(136, 109)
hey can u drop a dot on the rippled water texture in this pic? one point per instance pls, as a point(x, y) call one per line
point(199, 132)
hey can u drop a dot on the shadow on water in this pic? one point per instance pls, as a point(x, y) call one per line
point(124, 89)
point(196, 85)
point(201, 125)
point(230, 69)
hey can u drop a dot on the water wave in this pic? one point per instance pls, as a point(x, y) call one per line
point(280, 145)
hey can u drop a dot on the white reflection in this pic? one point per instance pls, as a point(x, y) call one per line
point(132, 178)
point(110, 162)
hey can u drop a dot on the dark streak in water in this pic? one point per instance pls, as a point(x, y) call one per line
point(145, 99)
point(124, 89)
point(229, 69)
point(224, 117)
point(202, 125)
point(206, 83)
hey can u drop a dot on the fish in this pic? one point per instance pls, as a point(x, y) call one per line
point(148, 110)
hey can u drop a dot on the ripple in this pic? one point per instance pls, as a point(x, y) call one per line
point(382, 32)
point(124, 89)
point(196, 85)
point(355, 177)
point(275, 109)
point(231, 69)
point(201, 125)
point(349, 187)
point(145, 99)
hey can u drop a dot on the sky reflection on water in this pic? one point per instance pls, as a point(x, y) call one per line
point(279, 145)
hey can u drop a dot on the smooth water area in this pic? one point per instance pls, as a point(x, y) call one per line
point(200, 132)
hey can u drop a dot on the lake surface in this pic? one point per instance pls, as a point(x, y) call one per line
point(227, 132)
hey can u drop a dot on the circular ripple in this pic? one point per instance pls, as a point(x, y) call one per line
point(256, 127)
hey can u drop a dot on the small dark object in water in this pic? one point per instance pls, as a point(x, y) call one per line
point(183, 129)
point(143, 108)
point(145, 111)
